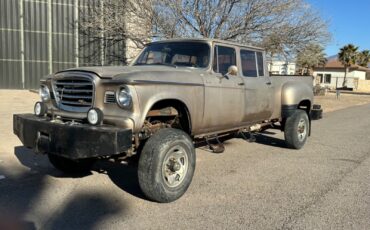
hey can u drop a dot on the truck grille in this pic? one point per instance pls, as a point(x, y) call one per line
point(75, 93)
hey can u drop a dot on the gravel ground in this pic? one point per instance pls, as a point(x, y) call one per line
point(261, 185)
point(331, 103)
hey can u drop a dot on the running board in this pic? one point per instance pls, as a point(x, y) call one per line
point(217, 147)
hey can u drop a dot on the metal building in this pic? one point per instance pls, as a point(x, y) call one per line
point(39, 37)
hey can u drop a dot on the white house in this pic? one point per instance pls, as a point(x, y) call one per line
point(332, 74)
point(277, 67)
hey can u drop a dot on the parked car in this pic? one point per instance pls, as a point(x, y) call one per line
point(174, 94)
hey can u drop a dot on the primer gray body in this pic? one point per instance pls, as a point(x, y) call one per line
point(214, 104)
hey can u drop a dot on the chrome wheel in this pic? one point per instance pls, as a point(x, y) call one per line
point(175, 166)
point(302, 130)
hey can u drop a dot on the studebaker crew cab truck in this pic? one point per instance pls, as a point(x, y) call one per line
point(175, 93)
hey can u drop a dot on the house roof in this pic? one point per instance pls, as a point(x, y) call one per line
point(336, 64)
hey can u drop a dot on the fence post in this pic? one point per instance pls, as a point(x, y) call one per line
point(76, 34)
point(50, 38)
point(102, 50)
point(21, 38)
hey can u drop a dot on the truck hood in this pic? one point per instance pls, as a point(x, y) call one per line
point(116, 72)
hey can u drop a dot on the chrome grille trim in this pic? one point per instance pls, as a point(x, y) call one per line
point(109, 97)
point(74, 93)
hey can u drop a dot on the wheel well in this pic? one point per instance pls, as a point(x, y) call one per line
point(172, 109)
point(305, 105)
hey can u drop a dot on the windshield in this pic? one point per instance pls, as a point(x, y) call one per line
point(188, 54)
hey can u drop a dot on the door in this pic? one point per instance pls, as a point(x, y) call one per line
point(224, 95)
point(259, 98)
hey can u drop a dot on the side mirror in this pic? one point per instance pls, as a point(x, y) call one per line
point(233, 70)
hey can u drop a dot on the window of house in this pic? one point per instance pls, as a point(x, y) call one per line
point(327, 78)
point(224, 57)
point(249, 67)
point(320, 77)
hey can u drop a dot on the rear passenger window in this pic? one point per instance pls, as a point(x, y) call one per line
point(224, 57)
point(261, 69)
point(248, 59)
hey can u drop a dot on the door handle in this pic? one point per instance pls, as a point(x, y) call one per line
point(268, 83)
point(241, 83)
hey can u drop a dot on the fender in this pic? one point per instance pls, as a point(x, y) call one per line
point(293, 93)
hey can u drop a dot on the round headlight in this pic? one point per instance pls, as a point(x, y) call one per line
point(95, 116)
point(124, 98)
point(40, 109)
point(44, 93)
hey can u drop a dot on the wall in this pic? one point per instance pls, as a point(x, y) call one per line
point(39, 37)
point(364, 85)
point(361, 75)
point(138, 27)
point(337, 77)
point(282, 67)
point(36, 40)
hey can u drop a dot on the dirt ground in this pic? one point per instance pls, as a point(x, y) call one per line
point(331, 103)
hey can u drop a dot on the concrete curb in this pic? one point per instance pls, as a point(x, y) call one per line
point(350, 92)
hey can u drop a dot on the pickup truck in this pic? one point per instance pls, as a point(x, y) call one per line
point(175, 94)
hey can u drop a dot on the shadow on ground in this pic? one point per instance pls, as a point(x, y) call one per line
point(122, 175)
point(79, 210)
point(270, 141)
point(84, 211)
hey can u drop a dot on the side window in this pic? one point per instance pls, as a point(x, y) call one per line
point(261, 69)
point(248, 59)
point(224, 57)
point(152, 57)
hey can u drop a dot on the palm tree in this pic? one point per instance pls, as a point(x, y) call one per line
point(348, 56)
point(364, 58)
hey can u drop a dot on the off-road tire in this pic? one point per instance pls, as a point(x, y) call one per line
point(70, 166)
point(151, 163)
point(291, 132)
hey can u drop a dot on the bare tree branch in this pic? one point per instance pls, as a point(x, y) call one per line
point(280, 26)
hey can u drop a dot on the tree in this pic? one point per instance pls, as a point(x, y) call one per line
point(348, 57)
point(311, 56)
point(109, 27)
point(279, 26)
point(363, 58)
point(283, 26)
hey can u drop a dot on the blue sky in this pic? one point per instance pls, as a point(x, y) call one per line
point(349, 22)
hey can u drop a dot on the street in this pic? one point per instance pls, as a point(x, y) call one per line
point(262, 185)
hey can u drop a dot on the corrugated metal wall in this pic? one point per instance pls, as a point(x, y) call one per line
point(10, 64)
point(38, 38)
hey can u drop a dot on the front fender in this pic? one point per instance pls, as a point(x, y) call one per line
point(190, 96)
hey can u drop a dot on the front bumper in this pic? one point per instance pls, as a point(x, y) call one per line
point(77, 141)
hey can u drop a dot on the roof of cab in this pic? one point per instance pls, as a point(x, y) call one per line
point(208, 40)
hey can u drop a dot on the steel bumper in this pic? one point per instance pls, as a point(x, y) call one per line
point(73, 141)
